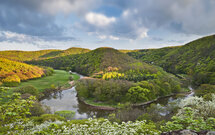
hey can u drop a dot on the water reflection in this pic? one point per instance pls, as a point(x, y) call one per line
point(67, 100)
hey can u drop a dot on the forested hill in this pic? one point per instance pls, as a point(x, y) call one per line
point(95, 61)
point(42, 54)
point(151, 55)
point(12, 72)
point(196, 58)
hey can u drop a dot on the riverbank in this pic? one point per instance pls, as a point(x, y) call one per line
point(112, 107)
point(48, 92)
point(99, 106)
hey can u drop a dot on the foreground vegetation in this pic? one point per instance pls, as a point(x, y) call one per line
point(15, 119)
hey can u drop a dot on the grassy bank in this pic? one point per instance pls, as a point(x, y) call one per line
point(75, 77)
point(59, 77)
point(99, 104)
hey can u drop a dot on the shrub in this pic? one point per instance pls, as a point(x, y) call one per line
point(137, 94)
point(189, 121)
point(94, 126)
point(71, 78)
point(13, 112)
point(28, 89)
point(38, 109)
point(48, 71)
point(200, 107)
point(47, 117)
point(66, 114)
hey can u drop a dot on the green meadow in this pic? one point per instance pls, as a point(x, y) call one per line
point(59, 77)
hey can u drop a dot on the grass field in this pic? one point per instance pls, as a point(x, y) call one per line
point(75, 77)
point(59, 77)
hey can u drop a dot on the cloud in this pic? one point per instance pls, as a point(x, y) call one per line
point(18, 41)
point(38, 18)
point(99, 20)
point(46, 21)
point(178, 16)
point(113, 37)
point(16, 37)
point(23, 21)
point(68, 6)
point(103, 37)
point(127, 26)
point(54, 7)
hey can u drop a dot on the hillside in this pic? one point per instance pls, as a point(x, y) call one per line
point(11, 72)
point(42, 54)
point(196, 58)
point(151, 55)
point(95, 61)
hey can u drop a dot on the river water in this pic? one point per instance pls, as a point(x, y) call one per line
point(68, 100)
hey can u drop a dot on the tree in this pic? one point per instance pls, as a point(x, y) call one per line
point(137, 94)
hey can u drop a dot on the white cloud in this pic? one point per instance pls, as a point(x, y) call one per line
point(68, 6)
point(17, 46)
point(12, 36)
point(15, 41)
point(125, 13)
point(102, 36)
point(99, 19)
point(142, 32)
point(113, 37)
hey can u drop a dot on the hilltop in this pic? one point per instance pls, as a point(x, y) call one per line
point(42, 54)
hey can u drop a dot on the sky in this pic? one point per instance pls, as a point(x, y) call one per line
point(121, 24)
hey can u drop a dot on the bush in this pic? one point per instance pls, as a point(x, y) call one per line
point(48, 71)
point(205, 89)
point(66, 114)
point(189, 121)
point(11, 84)
point(47, 117)
point(28, 89)
point(94, 126)
point(200, 107)
point(13, 112)
point(137, 94)
point(38, 109)
point(71, 78)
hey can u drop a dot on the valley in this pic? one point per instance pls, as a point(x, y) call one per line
point(158, 86)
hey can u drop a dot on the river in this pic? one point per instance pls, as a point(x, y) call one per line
point(68, 100)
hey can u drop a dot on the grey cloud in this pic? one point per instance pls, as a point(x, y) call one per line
point(37, 17)
point(176, 16)
point(186, 16)
point(21, 20)
point(54, 6)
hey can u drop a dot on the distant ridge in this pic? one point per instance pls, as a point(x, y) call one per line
point(42, 54)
